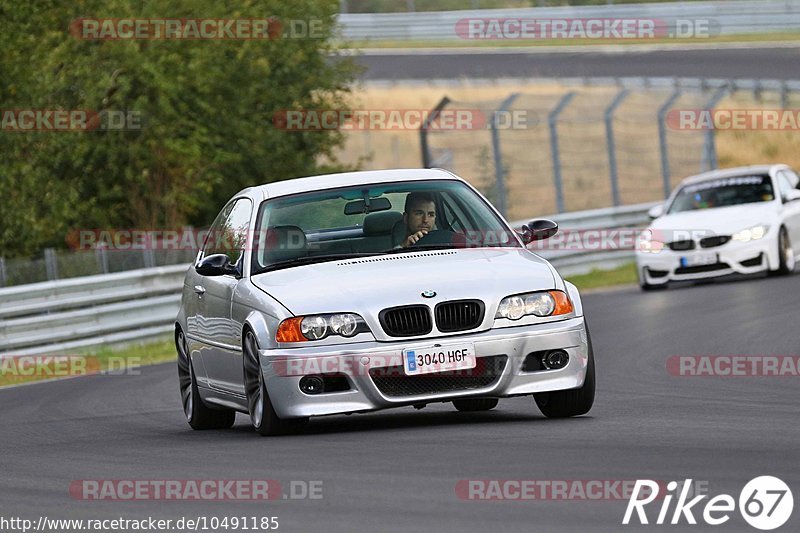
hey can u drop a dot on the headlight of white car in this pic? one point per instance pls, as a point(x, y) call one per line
point(546, 303)
point(750, 234)
point(316, 327)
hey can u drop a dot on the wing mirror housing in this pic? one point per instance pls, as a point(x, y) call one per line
point(538, 230)
point(655, 211)
point(792, 196)
point(216, 265)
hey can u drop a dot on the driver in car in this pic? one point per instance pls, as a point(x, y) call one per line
point(419, 216)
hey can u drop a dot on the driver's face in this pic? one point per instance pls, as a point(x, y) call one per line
point(421, 217)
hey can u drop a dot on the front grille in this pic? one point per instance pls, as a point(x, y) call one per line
point(717, 240)
point(702, 268)
point(406, 321)
point(680, 246)
point(459, 315)
point(392, 381)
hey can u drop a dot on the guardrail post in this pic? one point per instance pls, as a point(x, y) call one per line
point(149, 255)
point(51, 264)
point(102, 259)
point(3, 275)
point(423, 132)
point(709, 150)
point(552, 117)
point(784, 95)
point(612, 149)
point(662, 139)
point(499, 171)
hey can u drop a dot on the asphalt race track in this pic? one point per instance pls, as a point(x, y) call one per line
point(727, 63)
point(397, 470)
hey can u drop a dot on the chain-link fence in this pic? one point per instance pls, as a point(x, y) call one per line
point(592, 145)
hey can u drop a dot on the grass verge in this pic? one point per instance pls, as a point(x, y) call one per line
point(27, 369)
point(596, 279)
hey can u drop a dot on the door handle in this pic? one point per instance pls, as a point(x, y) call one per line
point(199, 289)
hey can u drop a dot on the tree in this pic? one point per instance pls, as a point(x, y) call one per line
point(206, 109)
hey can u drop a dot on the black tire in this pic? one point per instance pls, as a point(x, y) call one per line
point(471, 405)
point(198, 414)
point(263, 417)
point(572, 402)
point(785, 254)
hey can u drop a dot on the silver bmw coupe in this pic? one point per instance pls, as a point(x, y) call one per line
point(361, 291)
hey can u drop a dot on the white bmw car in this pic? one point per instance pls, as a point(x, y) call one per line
point(733, 221)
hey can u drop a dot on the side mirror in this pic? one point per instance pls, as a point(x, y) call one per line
point(538, 230)
point(216, 265)
point(792, 195)
point(656, 211)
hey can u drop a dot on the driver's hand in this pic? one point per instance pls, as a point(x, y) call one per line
point(414, 237)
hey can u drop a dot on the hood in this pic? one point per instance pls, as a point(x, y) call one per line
point(370, 284)
point(717, 221)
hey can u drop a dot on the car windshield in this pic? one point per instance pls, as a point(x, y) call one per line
point(723, 192)
point(374, 219)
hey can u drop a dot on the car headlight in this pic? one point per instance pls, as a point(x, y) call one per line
point(316, 327)
point(549, 303)
point(750, 234)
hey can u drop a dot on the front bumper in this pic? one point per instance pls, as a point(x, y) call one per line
point(731, 258)
point(355, 361)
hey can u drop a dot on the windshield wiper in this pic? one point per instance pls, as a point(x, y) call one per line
point(308, 260)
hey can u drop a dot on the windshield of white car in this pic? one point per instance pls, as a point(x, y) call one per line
point(371, 219)
point(723, 192)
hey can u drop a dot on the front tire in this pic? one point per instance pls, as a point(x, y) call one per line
point(197, 413)
point(785, 254)
point(262, 415)
point(572, 402)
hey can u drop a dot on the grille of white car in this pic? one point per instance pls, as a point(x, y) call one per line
point(460, 315)
point(406, 321)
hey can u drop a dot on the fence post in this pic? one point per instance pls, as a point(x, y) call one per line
point(423, 132)
point(552, 117)
point(709, 150)
point(50, 264)
point(612, 149)
point(3, 275)
point(499, 171)
point(102, 258)
point(784, 95)
point(662, 139)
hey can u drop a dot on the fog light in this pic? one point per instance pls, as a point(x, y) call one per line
point(555, 359)
point(312, 384)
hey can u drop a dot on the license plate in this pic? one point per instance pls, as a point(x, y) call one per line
point(439, 359)
point(699, 259)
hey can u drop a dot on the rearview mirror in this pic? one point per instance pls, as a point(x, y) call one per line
point(216, 265)
point(537, 230)
point(656, 211)
point(358, 207)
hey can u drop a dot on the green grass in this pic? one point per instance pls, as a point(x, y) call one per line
point(505, 43)
point(623, 275)
point(15, 371)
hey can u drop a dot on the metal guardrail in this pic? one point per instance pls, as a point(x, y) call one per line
point(728, 17)
point(59, 316)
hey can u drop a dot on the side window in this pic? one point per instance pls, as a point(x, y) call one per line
point(228, 234)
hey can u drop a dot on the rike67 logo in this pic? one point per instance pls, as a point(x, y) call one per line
point(765, 503)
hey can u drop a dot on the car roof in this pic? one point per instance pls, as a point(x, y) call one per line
point(345, 179)
point(733, 172)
